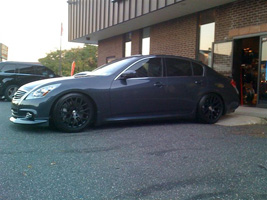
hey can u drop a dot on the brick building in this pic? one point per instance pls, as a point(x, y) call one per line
point(227, 35)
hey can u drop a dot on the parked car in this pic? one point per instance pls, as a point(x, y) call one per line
point(132, 88)
point(15, 74)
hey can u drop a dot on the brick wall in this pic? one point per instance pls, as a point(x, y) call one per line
point(110, 47)
point(175, 37)
point(137, 42)
point(240, 18)
point(179, 36)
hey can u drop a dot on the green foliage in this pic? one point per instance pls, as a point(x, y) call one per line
point(85, 59)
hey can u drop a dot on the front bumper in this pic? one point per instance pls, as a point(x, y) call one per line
point(27, 121)
point(31, 112)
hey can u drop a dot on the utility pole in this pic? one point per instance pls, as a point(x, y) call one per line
point(60, 54)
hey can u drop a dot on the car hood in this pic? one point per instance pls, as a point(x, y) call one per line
point(29, 86)
point(36, 84)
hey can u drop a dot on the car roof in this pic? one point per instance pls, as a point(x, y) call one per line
point(19, 62)
point(167, 56)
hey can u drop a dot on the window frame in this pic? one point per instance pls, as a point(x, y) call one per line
point(164, 73)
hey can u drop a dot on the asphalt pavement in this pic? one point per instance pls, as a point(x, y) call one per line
point(165, 160)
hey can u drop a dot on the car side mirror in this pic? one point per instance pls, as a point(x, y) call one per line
point(128, 74)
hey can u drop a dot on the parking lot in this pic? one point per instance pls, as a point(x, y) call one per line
point(149, 160)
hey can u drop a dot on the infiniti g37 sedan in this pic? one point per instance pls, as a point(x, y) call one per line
point(132, 88)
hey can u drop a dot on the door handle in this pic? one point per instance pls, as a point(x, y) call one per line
point(200, 82)
point(158, 84)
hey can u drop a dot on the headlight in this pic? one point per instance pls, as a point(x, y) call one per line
point(42, 92)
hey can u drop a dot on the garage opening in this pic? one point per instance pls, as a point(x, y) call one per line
point(245, 69)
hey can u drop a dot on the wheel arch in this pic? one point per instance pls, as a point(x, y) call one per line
point(74, 92)
point(212, 92)
point(6, 89)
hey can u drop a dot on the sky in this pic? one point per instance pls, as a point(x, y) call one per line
point(32, 28)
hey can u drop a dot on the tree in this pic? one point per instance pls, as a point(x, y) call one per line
point(85, 59)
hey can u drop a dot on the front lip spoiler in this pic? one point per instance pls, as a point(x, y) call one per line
point(27, 121)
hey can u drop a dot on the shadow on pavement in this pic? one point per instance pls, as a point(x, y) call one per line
point(110, 127)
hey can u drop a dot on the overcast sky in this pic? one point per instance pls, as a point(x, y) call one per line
point(31, 28)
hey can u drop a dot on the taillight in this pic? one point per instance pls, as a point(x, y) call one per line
point(233, 83)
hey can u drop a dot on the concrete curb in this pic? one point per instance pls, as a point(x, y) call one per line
point(240, 120)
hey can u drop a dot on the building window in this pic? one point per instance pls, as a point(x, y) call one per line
point(110, 59)
point(146, 41)
point(128, 44)
point(222, 57)
point(206, 37)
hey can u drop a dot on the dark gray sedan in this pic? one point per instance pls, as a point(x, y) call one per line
point(132, 88)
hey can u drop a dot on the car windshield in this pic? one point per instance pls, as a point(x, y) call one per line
point(109, 68)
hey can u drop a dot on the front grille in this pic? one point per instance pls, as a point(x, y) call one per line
point(19, 94)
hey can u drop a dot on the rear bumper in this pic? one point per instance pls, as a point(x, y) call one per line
point(232, 107)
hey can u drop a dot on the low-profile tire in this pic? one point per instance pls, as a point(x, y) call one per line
point(210, 109)
point(10, 91)
point(73, 112)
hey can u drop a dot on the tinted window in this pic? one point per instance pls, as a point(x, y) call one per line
point(197, 69)
point(148, 68)
point(43, 71)
point(9, 68)
point(178, 67)
point(26, 69)
point(39, 70)
point(49, 72)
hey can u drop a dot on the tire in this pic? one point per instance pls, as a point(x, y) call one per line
point(72, 113)
point(210, 109)
point(10, 91)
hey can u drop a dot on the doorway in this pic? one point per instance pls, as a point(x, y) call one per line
point(245, 69)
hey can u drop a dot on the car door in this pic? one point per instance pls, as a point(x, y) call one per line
point(8, 75)
point(184, 86)
point(26, 74)
point(141, 95)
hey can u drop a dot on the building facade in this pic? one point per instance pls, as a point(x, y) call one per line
point(227, 35)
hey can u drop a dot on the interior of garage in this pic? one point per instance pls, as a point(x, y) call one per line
point(245, 69)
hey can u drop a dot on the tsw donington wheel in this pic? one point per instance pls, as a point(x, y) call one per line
point(72, 113)
point(210, 108)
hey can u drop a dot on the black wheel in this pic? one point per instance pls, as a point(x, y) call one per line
point(210, 109)
point(72, 113)
point(10, 91)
